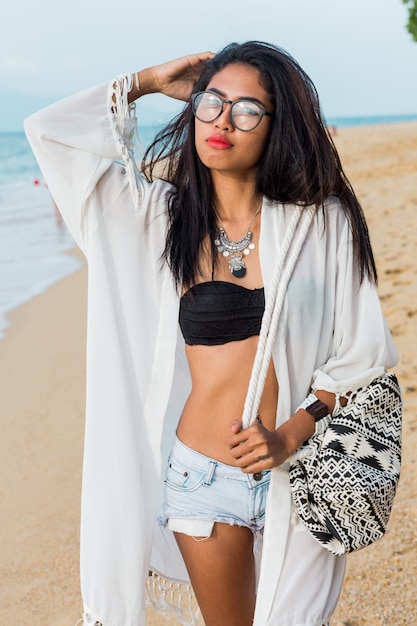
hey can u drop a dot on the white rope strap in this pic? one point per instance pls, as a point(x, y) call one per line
point(250, 404)
point(272, 312)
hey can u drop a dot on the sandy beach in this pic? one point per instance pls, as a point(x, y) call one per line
point(42, 413)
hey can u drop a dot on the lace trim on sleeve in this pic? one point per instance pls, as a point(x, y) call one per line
point(124, 125)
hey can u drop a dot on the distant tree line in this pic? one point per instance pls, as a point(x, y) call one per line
point(412, 18)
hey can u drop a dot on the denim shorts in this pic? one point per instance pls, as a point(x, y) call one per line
point(200, 491)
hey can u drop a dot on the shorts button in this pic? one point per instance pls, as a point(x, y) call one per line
point(257, 476)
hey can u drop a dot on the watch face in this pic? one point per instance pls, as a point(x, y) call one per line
point(318, 410)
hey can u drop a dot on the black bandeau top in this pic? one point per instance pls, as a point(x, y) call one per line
point(217, 312)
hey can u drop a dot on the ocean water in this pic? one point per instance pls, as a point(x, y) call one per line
point(368, 120)
point(34, 243)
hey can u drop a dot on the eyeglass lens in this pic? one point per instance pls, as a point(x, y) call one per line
point(245, 114)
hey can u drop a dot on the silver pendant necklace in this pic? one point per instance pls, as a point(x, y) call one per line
point(234, 250)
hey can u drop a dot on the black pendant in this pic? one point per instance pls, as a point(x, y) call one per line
point(240, 273)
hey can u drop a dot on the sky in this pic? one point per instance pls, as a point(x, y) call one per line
point(357, 52)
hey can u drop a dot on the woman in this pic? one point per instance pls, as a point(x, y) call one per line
point(179, 268)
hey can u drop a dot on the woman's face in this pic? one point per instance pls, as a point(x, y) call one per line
point(222, 147)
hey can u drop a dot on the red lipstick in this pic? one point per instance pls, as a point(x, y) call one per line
point(219, 141)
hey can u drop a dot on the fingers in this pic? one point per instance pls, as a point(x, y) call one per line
point(236, 427)
point(242, 435)
point(175, 78)
point(201, 57)
point(183, 68)
point(183, 73)
point(253, 462)
point(250, 445)
point(256, 449)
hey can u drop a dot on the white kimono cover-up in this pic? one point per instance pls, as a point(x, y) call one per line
point(332, 335)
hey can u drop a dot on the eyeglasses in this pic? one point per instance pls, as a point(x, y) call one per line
point(245, 114)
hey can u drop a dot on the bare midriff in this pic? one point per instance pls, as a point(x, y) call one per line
point(220, 378)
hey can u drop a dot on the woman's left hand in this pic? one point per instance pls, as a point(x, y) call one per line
point(256, 448)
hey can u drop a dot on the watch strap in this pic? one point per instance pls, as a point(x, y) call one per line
point(313, 405)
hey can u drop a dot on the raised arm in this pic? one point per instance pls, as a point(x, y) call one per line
point(77, 140)
point(175, 78)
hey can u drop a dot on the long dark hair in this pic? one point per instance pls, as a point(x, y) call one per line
point(300, 164)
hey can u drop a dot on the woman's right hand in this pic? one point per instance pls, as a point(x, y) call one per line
point(175, 78)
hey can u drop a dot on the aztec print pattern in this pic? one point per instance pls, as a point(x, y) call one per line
point(343, 490)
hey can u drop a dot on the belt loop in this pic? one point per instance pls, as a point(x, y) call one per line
point(210, 472)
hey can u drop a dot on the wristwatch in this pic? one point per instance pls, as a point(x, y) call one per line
point(315, 407)
point(318, 410)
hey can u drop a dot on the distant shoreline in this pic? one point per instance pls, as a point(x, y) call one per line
point(369, 120)
point(338, 121)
